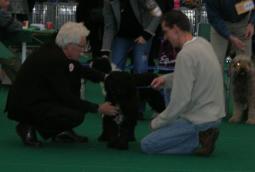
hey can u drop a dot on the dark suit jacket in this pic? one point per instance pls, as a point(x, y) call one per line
point(48, 78)
point(90, 12)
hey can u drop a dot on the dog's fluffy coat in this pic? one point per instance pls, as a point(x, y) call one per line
point(126, 91)
point(243, 89)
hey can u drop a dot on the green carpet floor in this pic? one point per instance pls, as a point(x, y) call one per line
point(235, 150)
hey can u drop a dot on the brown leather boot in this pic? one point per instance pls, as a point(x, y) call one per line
point(207, 140)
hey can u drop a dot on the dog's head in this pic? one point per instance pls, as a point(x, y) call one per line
point(102, 64)
point(242, 66)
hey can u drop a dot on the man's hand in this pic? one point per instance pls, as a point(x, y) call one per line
point(158, 83)
point(108, 109)
point(140, 40)
point(249, 31)
point(151, 125)
point(237, 42)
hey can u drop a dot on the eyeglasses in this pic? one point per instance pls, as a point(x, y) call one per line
point(79, 45)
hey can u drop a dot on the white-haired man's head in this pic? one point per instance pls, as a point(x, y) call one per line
point(72, 39)
point(71, 32)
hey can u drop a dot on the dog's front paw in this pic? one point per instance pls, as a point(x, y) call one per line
point(118, 143)
point(250, 121)
point(234, 119)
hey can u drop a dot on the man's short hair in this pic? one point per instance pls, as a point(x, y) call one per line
point(71, 32)
point(176, 17)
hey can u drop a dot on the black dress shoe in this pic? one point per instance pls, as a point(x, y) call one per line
point(28, 135)
point(70, 137)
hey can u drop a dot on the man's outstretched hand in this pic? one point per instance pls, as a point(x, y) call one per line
point(158, 83)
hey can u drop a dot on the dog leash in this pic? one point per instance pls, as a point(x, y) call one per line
point(144, 87)
point(158, 68)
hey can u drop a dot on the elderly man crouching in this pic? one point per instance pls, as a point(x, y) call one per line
point(46, 94)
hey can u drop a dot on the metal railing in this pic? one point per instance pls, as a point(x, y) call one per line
point(196, 17)
point(58, 13)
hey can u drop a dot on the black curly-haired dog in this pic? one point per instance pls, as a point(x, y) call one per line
point(126, 90)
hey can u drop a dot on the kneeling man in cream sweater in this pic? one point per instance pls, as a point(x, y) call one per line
point(189, 125)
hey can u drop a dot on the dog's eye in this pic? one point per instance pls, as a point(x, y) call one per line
point(238, 64)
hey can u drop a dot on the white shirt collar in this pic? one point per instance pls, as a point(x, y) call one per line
point(188, 42)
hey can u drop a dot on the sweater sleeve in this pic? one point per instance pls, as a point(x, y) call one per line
point(154, 9)
point(181, 93)
point(109, 26)
point(215, 20)
point(169, 80)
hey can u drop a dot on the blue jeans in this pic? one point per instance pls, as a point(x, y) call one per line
point(120, 49)
point(179, 137)
point(167, 95)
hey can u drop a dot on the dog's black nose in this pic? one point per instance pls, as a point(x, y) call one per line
point(242, 72)
point(102, 64)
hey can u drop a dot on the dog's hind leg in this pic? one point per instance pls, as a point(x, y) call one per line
point(238, 111)
point(251, 115)
point(251, 120)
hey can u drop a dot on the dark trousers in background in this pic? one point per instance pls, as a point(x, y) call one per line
point(11, 67)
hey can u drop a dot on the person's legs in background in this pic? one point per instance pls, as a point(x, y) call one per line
point(220, 46)
point(141, 55)
point(155, 51)
point(95, 40)
point(120, 49)
point(239, 29)
point(11, 67)
point(253, 45)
